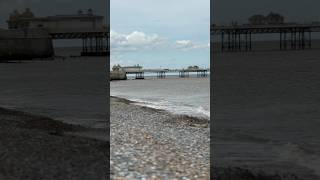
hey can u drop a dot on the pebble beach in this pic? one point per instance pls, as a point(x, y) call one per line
point(148, 143)
point(35, 148)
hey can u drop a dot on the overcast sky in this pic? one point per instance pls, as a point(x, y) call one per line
point(225, 11)
point(50, 7)
point(160, 33)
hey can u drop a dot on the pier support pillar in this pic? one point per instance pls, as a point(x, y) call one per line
point(222, 41)
point(183, 74)
point(310, 39)
point(250, 40)
point(140, 75)
point(93, 45)
point(161, 74)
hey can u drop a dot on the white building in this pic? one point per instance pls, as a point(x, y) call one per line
point(81, 21)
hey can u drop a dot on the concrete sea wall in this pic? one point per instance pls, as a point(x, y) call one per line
point(118, 75)
point(25, 44)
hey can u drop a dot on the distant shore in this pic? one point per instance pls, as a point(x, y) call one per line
point(37, 147)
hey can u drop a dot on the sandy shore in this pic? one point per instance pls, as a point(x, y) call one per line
point(34, 147)
point(154, 144)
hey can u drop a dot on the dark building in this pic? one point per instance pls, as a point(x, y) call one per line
point(27, 20)
point(274, 18)
point(270, 19)
point(14, 19)
point(257, 20)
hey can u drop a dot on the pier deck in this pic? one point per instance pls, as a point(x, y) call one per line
point(95, 42)
point(239, 38)
point(161, 73)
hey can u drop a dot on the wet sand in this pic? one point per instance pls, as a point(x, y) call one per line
point(35, 148)
point(154, 144)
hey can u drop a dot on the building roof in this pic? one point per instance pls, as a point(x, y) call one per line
point(274, 15)
point(59, 17)
point(75, 16)
point(16, 34)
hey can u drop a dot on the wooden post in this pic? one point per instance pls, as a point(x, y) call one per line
point(239, 40)
point(246, 40)
point(250, 42)
point(310, 39)
point(291, 39)
point(280, 40)
point(229, 41)
point(285, 39)
point(222, 42)
point(303, 39)
point(96, 38)
point(82, 44)
point(299, 39)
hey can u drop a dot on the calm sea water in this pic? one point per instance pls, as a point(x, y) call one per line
point(73, 90)
point(267, 114)
point(187, 96)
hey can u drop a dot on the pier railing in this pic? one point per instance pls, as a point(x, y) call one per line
point(24, 34)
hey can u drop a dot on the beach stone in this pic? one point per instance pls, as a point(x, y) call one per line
point(30, 151)
point(155, 144)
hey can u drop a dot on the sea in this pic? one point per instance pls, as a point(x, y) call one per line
point(266, 103)
point(181, 96)
point(266, 111)
point(72, 90)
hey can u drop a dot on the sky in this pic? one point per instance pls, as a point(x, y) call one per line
point(160, 33)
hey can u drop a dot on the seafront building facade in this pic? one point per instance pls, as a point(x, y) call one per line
point(270, 19)
point(29, 37)
point(81, 20)
point(25, 44)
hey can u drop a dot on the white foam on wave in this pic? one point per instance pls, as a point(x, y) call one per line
point(150, 104)
point(202, 110)
point(298, 154)
point(175, 108)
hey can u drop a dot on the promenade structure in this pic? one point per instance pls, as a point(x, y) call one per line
point(239, 38)
point(26, 45)
point(83, 25)
point(161, 73)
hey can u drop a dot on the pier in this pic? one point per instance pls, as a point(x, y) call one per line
point(95, 42)
point(200, 72)
point(161, 73)
point(239, 38)
point(84, 25)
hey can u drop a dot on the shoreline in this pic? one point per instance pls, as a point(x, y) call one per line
point(179, 118)
point(34, 147)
